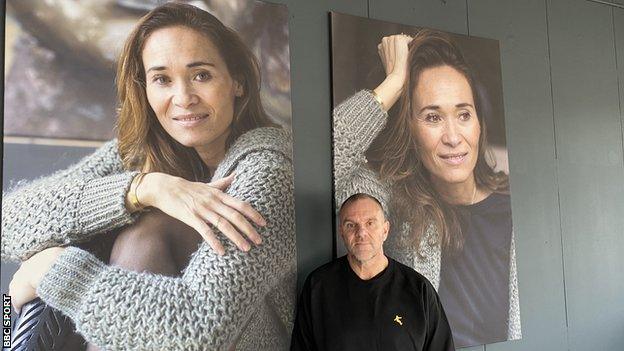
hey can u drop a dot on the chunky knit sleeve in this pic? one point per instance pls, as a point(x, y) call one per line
point(357, 122)
point(68, 206)
point(211, 303)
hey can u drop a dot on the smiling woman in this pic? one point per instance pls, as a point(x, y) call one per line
point(196, 156)
point(427, 161)
point(446, 127)
point(190, 89)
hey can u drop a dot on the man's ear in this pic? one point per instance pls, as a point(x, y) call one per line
point(386, 227)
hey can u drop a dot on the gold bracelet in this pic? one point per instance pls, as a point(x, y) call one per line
point(134, 199)
point(377, 98)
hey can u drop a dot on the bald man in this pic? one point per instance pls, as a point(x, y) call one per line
point(366, 300)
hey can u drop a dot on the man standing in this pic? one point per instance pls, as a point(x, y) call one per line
point(366, 300)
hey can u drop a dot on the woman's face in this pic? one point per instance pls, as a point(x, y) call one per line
point(445, 125)
point(189, 87)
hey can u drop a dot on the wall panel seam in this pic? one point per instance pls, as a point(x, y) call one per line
point(552, 94)
point(552, 98)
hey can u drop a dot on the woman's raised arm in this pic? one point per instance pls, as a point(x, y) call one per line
point(359, 119)
point(394, 54)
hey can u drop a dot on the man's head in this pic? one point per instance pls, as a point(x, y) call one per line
point(363, 227)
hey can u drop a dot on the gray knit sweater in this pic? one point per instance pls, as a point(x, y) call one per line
point(357, 121)
point(242, 301)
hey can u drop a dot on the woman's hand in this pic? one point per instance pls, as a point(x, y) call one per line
point(23, 286)
point(198, 204)
point(394, 54)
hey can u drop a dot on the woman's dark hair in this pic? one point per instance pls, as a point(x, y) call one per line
point(143, 143)
point(394, 154)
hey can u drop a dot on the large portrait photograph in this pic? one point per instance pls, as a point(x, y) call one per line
point(419, 124)
point(148, 175)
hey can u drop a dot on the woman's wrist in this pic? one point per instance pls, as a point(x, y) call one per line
point(132, 197)
point(140, 194)
point(152, 183)
point(389, 91)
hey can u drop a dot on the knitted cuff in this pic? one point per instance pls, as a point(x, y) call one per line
point(368, 101)
point(102, 206)
point(67, 283)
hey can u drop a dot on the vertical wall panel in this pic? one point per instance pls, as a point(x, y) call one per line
point(438, 14)
point(590, 171)
point(522, 31)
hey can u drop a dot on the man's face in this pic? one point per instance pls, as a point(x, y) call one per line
point(364, 229)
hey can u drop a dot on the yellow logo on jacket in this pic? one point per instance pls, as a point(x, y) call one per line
point(397, 319)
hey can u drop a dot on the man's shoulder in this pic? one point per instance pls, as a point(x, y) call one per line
point(328, 272)
point(414, 278)
point(329, 269)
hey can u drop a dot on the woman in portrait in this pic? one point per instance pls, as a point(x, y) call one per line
point(195, 157)
point(428, 161)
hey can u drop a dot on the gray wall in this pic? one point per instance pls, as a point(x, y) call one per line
point(563, 74)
